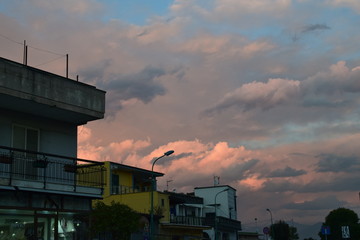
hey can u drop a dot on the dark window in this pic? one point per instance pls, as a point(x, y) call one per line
point(26, 139)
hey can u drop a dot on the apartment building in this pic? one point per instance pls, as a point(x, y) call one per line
point(45, 191)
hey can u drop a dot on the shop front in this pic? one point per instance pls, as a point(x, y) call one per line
point(43, 216)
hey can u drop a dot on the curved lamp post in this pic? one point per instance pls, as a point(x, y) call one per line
point(215, 228)
point(271, 218)
point(270, 215)
point(168, 153)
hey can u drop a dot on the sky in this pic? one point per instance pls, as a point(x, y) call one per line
point(263, 94)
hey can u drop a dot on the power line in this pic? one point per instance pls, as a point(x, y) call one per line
point(44, 50)
point(36, 48)
point(11, 40)
point(50, 61)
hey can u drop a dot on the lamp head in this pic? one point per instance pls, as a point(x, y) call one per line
point(169, 153)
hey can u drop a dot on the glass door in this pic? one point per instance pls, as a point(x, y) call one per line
point(45, 227)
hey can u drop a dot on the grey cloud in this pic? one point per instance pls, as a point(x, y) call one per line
point(141, 85)
point(335, 163)
point(338, 183)
point(286, 172)
point(324, 184)
point(240, 170)
point(258, 95)
point(333, 88)
point(174, 157)
point(311, 28)
point(280, 186)
point(315, 27)
point(96, 72)
point(327, 202)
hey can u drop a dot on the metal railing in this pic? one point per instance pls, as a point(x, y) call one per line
point(121, 189)
point(45, 169)
point(222, 222)
point(187, 220)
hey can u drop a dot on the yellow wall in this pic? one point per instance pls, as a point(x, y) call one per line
point(139, 201)
point(108, 179)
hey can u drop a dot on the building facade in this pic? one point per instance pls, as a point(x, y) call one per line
point(220, 211)
point(45, 191)
point(176, 216)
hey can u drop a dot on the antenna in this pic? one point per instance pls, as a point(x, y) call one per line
point(167, 184)
point(216, 180)
point(25, 53)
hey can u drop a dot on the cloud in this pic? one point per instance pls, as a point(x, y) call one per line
point(331, 88)
point(259, 95)
point(286, 172)
point(143, 86)
point(79, 7)
point(351, 4)
point(265, 97)
point(321, 203)
point(315, 27)
point(84, 134)
point(335, 163)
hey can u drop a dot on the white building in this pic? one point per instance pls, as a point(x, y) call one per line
point(220, 211)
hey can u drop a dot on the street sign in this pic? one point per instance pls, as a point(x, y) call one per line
point(266, 230)
point(345, 231)
point(325, 230)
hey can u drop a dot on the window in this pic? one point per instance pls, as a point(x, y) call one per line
point(115, 184)
point(26, 139)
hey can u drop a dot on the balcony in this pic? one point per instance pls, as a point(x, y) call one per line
point(223, 223)
point(187, 220)
point(44, 172)
point(121, 189)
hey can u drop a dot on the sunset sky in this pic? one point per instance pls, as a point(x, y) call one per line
point(262, 93)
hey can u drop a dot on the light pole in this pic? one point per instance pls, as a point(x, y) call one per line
point(215, 227)
point(168, 153)
point(271, 219)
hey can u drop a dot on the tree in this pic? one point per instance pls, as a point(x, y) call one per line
point(117, 219)
point(339, 218)
point(293, 233)
point(280, 231)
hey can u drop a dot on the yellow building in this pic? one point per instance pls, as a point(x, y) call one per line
point(132, 186)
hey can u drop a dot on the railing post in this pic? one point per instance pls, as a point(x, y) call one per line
point(11, 167)
point(44, 171)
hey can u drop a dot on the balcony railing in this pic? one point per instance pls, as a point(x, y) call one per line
point(37, 170)
point(121, 189)
point(187, 220)
point(223, 223)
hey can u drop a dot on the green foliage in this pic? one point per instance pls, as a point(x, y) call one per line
point(338, 218)
point(293, 233)
point(280, 231)
point(118, 219)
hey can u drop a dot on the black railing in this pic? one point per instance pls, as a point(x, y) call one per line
point(187, 220)
point(44, 169)
point(223, 223)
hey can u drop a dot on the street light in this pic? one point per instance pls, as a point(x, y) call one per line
point(168, 153)
point(270, 215)
point(215, 228)
point(272, 226)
